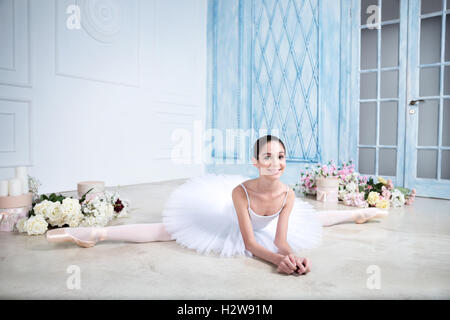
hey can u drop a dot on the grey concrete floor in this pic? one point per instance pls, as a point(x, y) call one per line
point(410, 251)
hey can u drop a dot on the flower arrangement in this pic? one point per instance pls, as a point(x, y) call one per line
point(356, 190)
point(56, 210)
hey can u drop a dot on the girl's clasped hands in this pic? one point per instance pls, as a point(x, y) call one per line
point(291, 264)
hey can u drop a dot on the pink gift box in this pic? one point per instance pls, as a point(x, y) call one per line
point(326, 195)
point(10, 216)
point(14, 208)
point(327, 189)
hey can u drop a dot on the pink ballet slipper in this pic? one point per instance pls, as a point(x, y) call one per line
point(364, 215)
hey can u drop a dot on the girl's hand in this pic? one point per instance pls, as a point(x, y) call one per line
point(304, 265)
point(288, 264)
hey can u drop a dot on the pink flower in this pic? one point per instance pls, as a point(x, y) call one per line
point(385, 193)
point(369, 187)
point(390, 184)
point(355, 200)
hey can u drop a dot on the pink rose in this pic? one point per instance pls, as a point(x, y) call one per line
point(385, 193)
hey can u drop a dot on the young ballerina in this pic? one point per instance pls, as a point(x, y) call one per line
point(232, 215)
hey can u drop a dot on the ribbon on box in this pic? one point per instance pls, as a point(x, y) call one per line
point(327, 194)
point(9, 217)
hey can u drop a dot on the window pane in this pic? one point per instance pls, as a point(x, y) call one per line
point(431, 6)
point(369, 48)
point(367, 123)
point(428, 123)
point(388, 123)
point(426, 163)
point(446, 123)
point(447, 80)
point(430, 40)
point(366, 161)
point(368, 85)
point(447, 37)
point(365, 4)
point(387, 162)
point(429, 82)
point(389, 45)
point(390, 10)
point(389, 84)
point(445, 164)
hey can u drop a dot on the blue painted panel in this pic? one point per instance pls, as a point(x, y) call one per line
point(269, 62)
point(349, 117)
point(285, 74)
point(439, 188)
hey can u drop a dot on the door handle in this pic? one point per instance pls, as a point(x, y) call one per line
point(414, 102)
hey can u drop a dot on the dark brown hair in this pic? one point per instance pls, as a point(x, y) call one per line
point(261, 142)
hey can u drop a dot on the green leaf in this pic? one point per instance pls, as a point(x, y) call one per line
point(84, 195)
point(405, 191)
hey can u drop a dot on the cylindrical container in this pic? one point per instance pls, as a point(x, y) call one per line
point(4, 188)
point(327, 189)
point(23, 200)
point(14, 187)
point(97, 187)
point(21, 173)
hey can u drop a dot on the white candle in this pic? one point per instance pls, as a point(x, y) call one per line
point(15, 187)
point(21, 173)
point(4, 187)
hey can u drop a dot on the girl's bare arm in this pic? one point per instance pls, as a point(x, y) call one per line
point(283, 224)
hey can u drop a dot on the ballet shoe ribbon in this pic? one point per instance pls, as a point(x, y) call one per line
point(327, 194)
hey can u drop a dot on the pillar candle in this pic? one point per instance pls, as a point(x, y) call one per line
point(15, 187)
point(4, 187)
point(85, 186)
point(21, 173)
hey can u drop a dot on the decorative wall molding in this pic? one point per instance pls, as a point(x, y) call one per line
point(4, 133)
point(21, 111)
point(102, 37)
point(12, 50)
point(189, 91)
point(19, 72)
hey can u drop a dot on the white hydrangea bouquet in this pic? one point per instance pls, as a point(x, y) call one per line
point(56, 210)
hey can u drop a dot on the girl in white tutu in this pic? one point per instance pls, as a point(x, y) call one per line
point(233, 215)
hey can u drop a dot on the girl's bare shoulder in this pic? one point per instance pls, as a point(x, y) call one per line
point(239, 192)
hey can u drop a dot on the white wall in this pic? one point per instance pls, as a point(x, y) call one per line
point(100, 102)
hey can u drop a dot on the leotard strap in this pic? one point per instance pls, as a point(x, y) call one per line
point(248, 199)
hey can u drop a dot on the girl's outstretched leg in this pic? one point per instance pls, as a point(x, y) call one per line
point(332, 217)
point(146, 232)
point(89, 236)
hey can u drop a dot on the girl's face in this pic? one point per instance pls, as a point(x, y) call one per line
point(272, 160)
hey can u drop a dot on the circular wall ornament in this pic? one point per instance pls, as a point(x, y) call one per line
point(101, 19)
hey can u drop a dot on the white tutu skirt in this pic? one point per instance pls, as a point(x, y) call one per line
point(200, 215)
